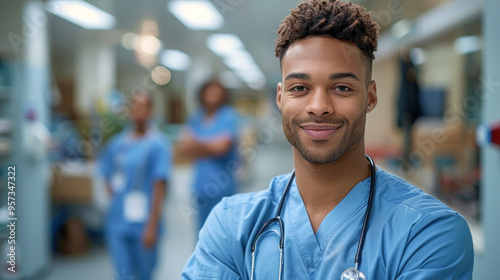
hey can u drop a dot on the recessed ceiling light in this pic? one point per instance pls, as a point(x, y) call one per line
point(82, 14)
point(224, 44)
point(401, 28)
point(175, 60)
point(232, 52)
point(148, 44)
point(129, 41)
point(467, 44)
point(161, 75)
point(196, 15)
point(418, 56)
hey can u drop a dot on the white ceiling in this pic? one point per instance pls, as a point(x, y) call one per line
point(254, 21)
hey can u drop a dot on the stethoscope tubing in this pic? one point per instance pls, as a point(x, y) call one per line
point(373, 178)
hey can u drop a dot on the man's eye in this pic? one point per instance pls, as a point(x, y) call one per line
point(299, 88)
point(342, 88)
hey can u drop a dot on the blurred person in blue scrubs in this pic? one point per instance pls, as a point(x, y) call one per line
point(136, 166)
point(338, 200)
point(210, 138)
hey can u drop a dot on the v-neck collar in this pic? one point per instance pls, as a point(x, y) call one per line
point(310, 245)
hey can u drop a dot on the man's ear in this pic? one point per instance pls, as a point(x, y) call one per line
point(279, 92)
point(371, 96)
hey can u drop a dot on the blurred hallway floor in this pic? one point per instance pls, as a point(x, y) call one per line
point(179, 239)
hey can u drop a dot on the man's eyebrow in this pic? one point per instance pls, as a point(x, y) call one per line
point(300, 76)
point(343, 75)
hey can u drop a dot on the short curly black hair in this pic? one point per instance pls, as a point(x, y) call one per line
point(341, 20)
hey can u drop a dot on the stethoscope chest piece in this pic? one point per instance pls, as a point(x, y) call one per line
point(352, 274)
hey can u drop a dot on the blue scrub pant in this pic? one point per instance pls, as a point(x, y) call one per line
point(131, 259)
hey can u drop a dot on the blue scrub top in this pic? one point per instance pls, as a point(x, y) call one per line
point(410, 235)
point(215, 174)
point(142, 161)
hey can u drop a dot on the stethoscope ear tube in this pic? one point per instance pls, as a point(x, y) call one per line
point(280, 206)
point(373, 179)
point(277, 217)
point(285, 192)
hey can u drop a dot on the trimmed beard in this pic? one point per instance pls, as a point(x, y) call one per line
point(353, 134)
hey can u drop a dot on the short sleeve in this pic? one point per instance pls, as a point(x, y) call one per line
point(193, 122)
point(212, 257)
point(105, 160)
point(439, 247)
point(230, 119)
point(161, 158)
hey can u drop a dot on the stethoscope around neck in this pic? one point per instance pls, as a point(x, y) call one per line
point(348, 274)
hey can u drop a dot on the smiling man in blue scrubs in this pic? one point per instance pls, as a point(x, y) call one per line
point(326, 53)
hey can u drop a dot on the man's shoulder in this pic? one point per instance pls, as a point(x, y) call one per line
point(258, 200)
point(406, 199)
point(422, 231)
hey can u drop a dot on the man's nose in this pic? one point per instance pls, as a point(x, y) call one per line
point(320, 103)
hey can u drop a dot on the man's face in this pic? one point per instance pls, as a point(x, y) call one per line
point(324, 97)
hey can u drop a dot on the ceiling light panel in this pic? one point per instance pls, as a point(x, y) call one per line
point(196, 15)
point(232, 52)
point(225, 45)
point(467, 44)
point(82, 14)
point(175, 60)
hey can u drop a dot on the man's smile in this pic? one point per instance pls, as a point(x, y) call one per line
point(320, 131)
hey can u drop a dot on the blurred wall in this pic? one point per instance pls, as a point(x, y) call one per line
point(380, 130)
point(445, 68)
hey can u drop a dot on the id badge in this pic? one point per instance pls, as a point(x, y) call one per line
point(135, 207)
point(118, 182)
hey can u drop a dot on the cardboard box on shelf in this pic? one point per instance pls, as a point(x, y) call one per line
point(71, 187)
point(438, 138)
